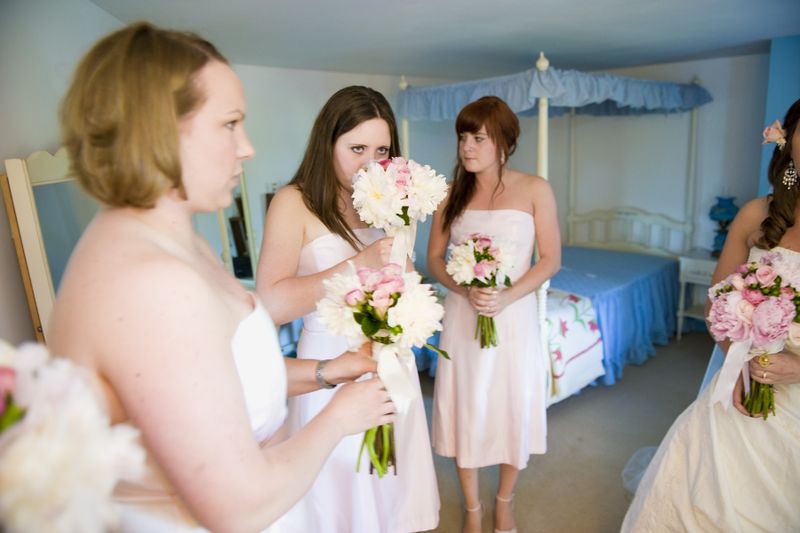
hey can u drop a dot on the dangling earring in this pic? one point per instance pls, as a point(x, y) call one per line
point(502, 159)
point(789, 175)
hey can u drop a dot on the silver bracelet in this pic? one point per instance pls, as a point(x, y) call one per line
point(323, 383)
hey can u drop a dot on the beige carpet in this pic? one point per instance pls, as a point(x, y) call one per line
point(577, 487)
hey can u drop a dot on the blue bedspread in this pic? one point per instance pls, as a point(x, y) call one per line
point(635, 297)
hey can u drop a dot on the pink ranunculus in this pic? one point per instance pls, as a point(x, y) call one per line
point(354, 297)
point(726, 322)
point(750, 279)
point(737, 281)
point(787, 293)
point(771, 320)
point(370, 278)
point(766, 275)
point(8, 379)
point(754, 296)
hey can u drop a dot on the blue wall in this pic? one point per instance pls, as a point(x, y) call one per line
point(783, 88)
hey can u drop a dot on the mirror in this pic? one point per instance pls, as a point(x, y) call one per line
point(48, 212)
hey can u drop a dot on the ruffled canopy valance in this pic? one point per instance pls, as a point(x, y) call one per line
point(590, 94)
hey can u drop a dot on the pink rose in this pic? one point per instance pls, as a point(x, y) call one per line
point(483, 243)
point(774, 133)
point(726, 320)
point(381, 300)
point(742, 269)
point(787, 293)
point(354, 297)
point(370, 278)
point(766, 276)
point(750, 280)
point(753, 296)
point(484, 269)
point(771, 320)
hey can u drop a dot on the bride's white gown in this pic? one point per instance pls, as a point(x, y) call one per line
point(342, 500)
point(151, 505)
point(719, 470)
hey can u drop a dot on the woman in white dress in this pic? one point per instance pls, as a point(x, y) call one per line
point(312, 231)
point(489, 404)
point(153, 122)
point(723, 470)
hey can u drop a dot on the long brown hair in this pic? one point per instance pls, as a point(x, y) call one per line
point(119, 119)
point(783, 199)
point(502, 126)
point(316, 177)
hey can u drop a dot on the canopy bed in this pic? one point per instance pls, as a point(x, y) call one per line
point(622, 259)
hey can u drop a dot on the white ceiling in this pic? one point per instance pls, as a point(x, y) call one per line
point(470, 38)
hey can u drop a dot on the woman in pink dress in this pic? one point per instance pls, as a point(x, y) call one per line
point(312, 231)
point(489, 404)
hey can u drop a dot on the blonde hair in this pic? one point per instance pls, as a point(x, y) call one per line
point(120, 116)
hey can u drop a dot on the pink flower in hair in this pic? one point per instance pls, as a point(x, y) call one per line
point(774, 133)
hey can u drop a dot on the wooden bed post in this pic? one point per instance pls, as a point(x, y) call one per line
point(404, 148)
point(691, 172)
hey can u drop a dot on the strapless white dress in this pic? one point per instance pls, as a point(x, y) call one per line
point(151, 505)
point(721, 471)
point(343, 500)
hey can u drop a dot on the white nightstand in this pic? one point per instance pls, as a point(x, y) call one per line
point(696, 268)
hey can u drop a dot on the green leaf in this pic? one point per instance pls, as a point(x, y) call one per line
point(369, 326)
point(437, 350)
point(13, 414)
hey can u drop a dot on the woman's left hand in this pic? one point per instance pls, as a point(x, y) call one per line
point(499, 300)
point(777, 368)
point(351, 365)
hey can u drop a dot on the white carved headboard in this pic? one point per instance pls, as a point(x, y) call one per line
point(629, 229)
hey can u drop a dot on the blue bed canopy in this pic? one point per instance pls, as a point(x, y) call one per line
point(588, 93)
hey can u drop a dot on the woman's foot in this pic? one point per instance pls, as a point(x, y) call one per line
point(473, 518)
point(504, 516)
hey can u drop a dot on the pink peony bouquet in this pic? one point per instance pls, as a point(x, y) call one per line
point(479, 261)
point(393, 195)
point(60, 456)
point(756, 308)
point(396, 311)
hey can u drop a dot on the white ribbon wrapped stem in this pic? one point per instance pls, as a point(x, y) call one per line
point(739, 353)
point(394, 371)
point(403, 245)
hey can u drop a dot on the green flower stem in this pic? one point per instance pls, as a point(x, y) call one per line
point(760, 401)
point(486, 331)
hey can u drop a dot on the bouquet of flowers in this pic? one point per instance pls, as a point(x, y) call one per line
point(396, 311)
point(393, 195)
point(479, 261)
point(60, 457)
point(756, 308)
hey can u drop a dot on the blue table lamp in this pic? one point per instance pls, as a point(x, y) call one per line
point(722, 213)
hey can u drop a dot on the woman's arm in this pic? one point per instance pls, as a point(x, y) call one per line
point(180, 386)
point(437, 251)
point(302, 377)
point(286, 295)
